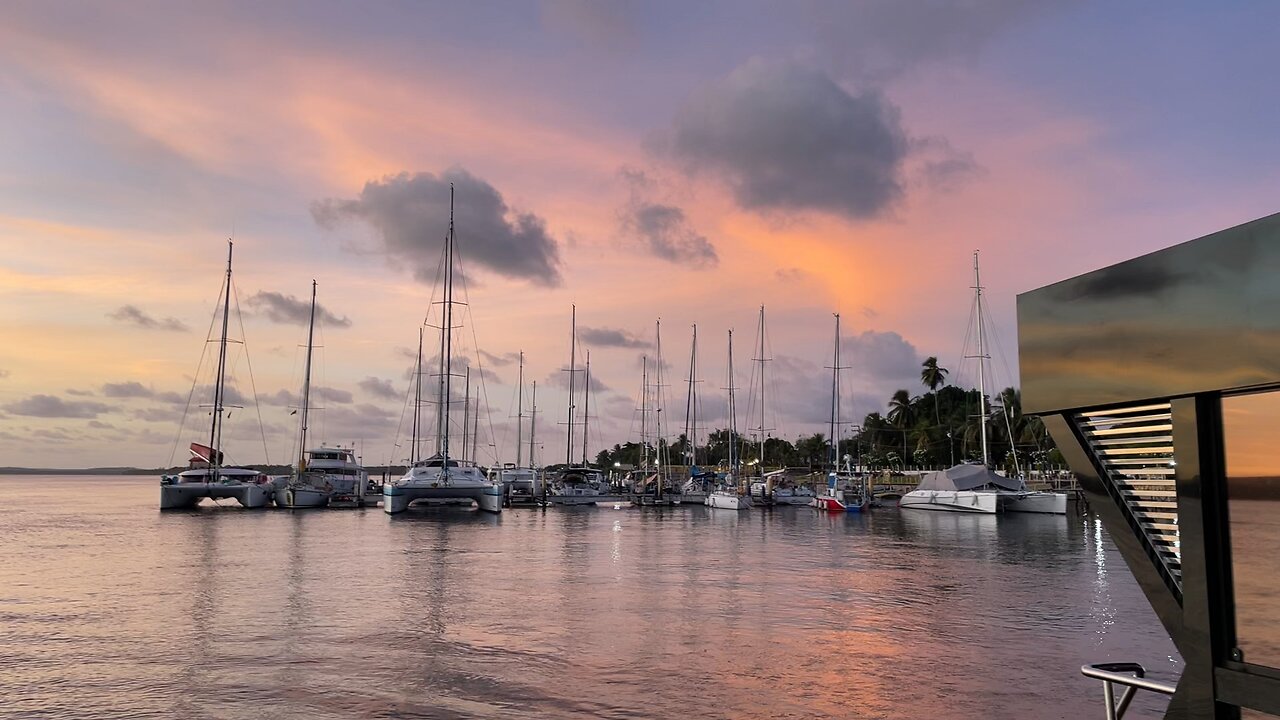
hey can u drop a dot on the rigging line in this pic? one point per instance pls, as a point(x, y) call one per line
point(475, 341)
point(195, 379)
point(257, 405)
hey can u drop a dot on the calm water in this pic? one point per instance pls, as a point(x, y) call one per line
point(110, 609)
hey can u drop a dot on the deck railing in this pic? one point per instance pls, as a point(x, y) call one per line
point(1131, 676)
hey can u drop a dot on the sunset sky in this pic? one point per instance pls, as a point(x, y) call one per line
point(640, 160)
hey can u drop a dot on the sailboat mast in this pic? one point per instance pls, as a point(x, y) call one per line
point(520, 411)
point(215, 433)
point(586, 408)
point(414, 450)
point(733, 412)
point(446, 345)
point(475, 431)
point(693, 405)
point(306, 384)
point(533, 420)
point(573, 359)
point(762, 387)
point(982, 360)
point(466, 413)
point(835, 399)
point(657, 411)
point(644, 412)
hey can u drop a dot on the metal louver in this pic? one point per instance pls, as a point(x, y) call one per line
point(1134, 448)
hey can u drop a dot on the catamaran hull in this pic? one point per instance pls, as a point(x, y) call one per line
point(966, 501)
point(726, 501)
point(1035, 502)
point(397, 498)
point(180, 496)
point(296, 498)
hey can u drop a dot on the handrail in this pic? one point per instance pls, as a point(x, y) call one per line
point(1131, 676)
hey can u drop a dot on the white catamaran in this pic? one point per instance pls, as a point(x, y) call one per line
point(975, 488)
point(206, 476)
point(441, 476)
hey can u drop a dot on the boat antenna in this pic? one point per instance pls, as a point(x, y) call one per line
point(306, 385)
point(215, 433)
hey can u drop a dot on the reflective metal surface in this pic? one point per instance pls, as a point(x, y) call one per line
point(1196, 317)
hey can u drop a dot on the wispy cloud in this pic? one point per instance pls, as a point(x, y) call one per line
point(289, 310)
point(610, 337)
point(133, 315)
point(49, 406)
point(379, 388)
point(662, 228)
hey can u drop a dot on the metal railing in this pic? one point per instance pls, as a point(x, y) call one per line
point(1131, 676)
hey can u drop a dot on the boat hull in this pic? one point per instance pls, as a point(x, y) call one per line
point(1035, 502)
point(396, 498)
point(828, 503)
point(965, 501)
point(302, 497)
point(181, 496)
point(727, 501)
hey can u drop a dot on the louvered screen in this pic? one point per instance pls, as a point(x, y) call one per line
point(1134, 446)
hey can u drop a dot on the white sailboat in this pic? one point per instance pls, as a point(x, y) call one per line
point(441, 477)
point(976, 488)
point(577, 484)
point(844, 491)
point(206, 476)
point(729, 495)
point(519, 481)
point(699, 483)
point(770, 488)
point(305, 488)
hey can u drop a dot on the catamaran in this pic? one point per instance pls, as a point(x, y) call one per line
point(206, 476)
point(976, 488)
point(441, 476)
point(729, 494)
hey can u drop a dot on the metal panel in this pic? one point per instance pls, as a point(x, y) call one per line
point(1196, 317)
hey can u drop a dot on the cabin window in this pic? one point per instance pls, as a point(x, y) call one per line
point(1251, 432)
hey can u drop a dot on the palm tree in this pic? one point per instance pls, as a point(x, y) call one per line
point(900, 415)
point(933, 378)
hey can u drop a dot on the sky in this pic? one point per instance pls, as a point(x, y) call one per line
point(640, 161)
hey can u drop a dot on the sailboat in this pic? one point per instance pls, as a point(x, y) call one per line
point(577, 484)
point(975, 488)
point(729, 495)
point(305, 489)
point(441, 476)
point(519, 481)
point(767, 488)
point(844, 491)
point(695, 489)
point(206, 476)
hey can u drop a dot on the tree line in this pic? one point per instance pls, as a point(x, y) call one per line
point(940, 427)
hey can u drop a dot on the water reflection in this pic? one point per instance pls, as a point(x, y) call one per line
point(586, 612)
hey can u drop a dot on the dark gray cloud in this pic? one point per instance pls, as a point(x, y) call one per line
point(560, 379)
point(785, 137)
point(133, 315)
point(333, 395)
point(610, 337)
point(411, 216)
point(379, 388)
point(876, 40)
point(661, 228)
point(128, 389)
point(287, 309)
point(502, 360)
point(48, 406)
point(79, 393)
point(881, 356)
point(281, 398)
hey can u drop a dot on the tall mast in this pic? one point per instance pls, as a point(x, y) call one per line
point(466, 414)
point(691, 404)
point(446, 345)
point(306, 384)
point(215, 433)
point(475, 430)
point(835, 399)
point(982, 360)
point(520, 412)
point(414, 449)
point(586, 408)
point(644, 412)
point(733, 414)
point(533, 420)
point(761, 358)
point(657, 412)
point(573, 359)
